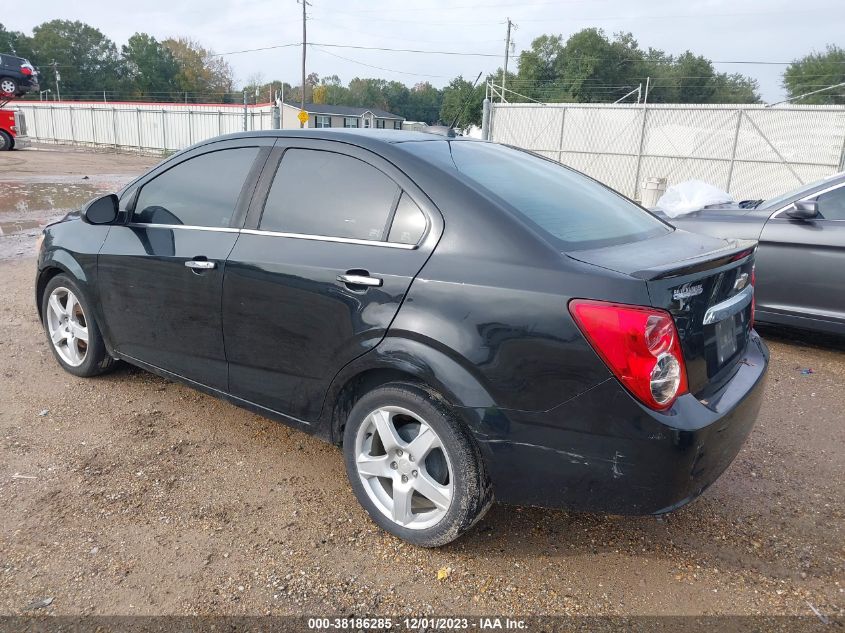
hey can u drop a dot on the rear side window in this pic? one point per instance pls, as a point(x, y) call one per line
point(573, 209)
point(408, 222)
point(323, 193)
point(201, 191)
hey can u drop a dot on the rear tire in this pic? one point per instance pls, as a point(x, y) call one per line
point(5, 141)
point(414, 466)
point(72, 332)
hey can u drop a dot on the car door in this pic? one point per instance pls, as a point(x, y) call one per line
point(333, 240)
point(800, 264)
point(160, 274)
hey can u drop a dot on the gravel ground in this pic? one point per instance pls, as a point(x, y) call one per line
point(129, 494)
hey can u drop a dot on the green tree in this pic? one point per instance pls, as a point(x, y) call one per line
point(397, 96)
point(462, 102)
point(424, 102)
point(736, 88)
point(596, 69)
point(542, 62)
point(150, 68)
point(87, 60)
point(368, 93)
point(202, 74)
point(15, 42)
point(814, 71)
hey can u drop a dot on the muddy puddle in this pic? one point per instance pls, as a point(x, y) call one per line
point(27, 206)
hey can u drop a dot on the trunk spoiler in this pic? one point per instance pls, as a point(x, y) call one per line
point(673, 255)
point(735, 251)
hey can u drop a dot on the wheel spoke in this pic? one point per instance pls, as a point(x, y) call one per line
point(386, 431)
point(55, 306)
point(57, 336)
point(423, 443)
point(73, 352)
point(70, 308)
point(431, 490)
point(402, 496)
point(79, 332)
point(370, 466)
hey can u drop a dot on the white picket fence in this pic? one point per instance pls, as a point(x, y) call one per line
point(142, 127)
point(750, 151)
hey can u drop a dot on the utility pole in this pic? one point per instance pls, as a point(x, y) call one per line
point(304, 41)
point(58, 79)
point(507, 54)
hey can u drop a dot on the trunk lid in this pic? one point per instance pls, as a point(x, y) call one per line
point(705, 283)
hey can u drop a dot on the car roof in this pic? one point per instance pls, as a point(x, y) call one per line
point(370, 138)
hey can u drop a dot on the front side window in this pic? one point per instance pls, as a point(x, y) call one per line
point(201, 191)
point(832, 204)
point(323, 121)
point(350, 121)
point(327, 194)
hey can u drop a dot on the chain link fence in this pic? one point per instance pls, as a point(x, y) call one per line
point(143, 128)
point(749, 151)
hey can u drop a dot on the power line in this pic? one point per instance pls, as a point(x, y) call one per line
point(406, 50)
point(389, 70)
point(255, 50)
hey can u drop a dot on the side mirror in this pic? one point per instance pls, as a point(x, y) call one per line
point(803, 210)
point(102, 210)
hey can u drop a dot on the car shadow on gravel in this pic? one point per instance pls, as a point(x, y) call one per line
point(804, 338)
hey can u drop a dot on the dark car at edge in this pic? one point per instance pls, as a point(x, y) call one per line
point(470, 322)
point(800, 256)
point(17, 76)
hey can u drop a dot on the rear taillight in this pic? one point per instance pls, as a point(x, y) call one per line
point(753, 299)
point(26, 71)
point(639, 344)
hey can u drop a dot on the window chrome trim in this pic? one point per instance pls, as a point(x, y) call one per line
point(326, 238)
point(783, 209)
point(216, 229)
point(298, 236)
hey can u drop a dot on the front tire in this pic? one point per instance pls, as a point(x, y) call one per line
point(72, 332)
point(413, 465)
point(5, 141)
point(8, 87)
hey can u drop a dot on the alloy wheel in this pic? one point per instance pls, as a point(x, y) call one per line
point(68, 326)
point(404, 467)
point(7, 86)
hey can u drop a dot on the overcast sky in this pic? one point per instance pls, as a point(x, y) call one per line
point(722, 30)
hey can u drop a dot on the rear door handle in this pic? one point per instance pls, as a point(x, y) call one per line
point(200, 264)
point(359, 280)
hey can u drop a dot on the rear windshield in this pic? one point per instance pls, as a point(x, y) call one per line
point(574, 210)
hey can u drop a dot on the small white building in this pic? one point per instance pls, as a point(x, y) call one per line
point(325, 116)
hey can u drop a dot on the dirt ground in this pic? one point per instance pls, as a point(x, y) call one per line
point(129, 494)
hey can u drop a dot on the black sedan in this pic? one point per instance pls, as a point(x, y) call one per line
point(469, 321)
point(801, 255)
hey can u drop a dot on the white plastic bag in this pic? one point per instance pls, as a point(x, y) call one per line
point(689, 196)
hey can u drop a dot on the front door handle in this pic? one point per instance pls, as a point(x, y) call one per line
point(200, 264)
point(352, 279)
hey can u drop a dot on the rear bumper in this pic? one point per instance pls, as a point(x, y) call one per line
point(604, 452)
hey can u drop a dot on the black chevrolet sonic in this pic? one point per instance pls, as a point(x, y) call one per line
point(471, 322)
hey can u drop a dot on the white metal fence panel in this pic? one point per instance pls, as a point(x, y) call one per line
point(144, 128)
point(750, 151)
